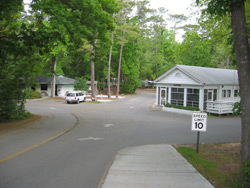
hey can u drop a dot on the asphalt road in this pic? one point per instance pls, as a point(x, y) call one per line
point(96, 132)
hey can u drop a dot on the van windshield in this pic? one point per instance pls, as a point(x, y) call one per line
point(71, 94)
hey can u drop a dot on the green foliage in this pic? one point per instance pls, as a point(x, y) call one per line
point(182, 107)
point(54, 29)
point(194, 51)
point(20, 115)
point(237, 108)
point(80, 84)
point(220, 7)
point(246, 182)
point(191, 155)
point(246, 169)
point(30, 94)
point(128, 87)
point(130, 69)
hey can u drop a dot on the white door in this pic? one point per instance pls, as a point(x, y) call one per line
point(163, 96)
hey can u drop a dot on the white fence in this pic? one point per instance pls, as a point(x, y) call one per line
point(220, 107)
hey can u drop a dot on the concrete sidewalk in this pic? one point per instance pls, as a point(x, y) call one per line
point(152, 166)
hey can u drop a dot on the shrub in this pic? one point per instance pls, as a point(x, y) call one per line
point(30, 94)
point(246, 183)
point(20, 115)
point(80, 84)
point(183, 107)
point(237, 108)
point(36, 95)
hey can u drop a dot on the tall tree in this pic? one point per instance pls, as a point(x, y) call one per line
point(17, 67)
point(241, 44)
point(109, 65)
point(71, 21)
point(123, 29)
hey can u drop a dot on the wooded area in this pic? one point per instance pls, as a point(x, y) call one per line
point(121, 40)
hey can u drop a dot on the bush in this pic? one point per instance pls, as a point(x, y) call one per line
point(183, 107)
point(30, 94)
point(80, 84)
point(36, 95)
point(21, 115)
point(237, 108)
point(127, 88)
point(246, 183)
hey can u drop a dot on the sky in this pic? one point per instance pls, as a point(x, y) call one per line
point(174, 6)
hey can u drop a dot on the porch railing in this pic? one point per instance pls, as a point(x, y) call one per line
point(220, 107)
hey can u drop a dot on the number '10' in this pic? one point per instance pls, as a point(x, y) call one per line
point(198, 125)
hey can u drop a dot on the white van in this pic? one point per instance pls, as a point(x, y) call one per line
point(75, 97)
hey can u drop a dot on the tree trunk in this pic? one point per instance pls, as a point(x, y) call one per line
point(93, 98)
point(23, 97)
point(156, 64)
point(53, 78)
point(110, 54)
point(119, 72)
point(243, 65)
point(93, 94)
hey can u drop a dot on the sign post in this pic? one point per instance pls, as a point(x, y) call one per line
point(199, 123)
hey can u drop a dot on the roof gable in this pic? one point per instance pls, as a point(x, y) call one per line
point(178, 77)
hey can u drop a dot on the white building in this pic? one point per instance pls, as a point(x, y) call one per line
point(63, 85)
point(211, 89)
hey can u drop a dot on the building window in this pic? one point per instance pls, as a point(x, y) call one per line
point(193, 97)
point(178, 75)
point(236, 93)
point(177, 96)
point(226, 93)
point(215, 95)
point(44, 87)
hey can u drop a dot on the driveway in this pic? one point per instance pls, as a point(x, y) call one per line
point(79, 157)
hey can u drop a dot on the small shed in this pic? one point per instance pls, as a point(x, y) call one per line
point(211, 89)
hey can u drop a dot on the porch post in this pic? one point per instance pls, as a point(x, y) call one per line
point(201, 99)
point(157, 94)
point(169, 95)
point(185, 97)
point(166, 95)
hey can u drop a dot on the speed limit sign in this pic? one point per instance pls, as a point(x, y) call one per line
point(199, 122)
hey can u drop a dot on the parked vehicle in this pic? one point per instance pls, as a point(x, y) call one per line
point(75, 97)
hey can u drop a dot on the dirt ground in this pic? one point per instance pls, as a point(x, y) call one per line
point(18, 124)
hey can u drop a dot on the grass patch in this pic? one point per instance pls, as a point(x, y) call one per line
point(94, 102)
point(55, 98)
point(223, 115)
point(218, 163)
point(183, 107)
